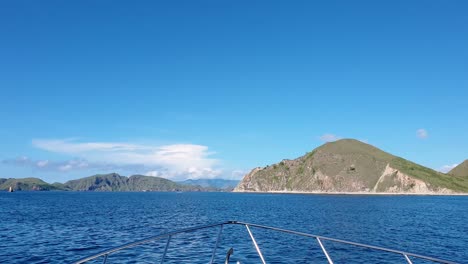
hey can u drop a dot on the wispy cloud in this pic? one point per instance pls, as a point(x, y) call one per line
point(74, 164)
point(169, 161)
point(73, 147)
point(447, 168)
point(329, 137)
point(192, 173)
point(422, 133)
point(238, 174)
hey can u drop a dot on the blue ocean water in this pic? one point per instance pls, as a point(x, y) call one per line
point(60, 227)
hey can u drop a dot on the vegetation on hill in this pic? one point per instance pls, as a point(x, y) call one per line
point(461, 170)
point(28, 184)
point(116, 182)
point(350, 166)
point(101, 182)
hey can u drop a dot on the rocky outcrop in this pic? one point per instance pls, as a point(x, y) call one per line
point(394, 181)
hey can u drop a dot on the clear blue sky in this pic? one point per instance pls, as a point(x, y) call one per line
point(214, 88)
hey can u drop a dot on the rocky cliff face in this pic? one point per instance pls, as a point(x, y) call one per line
point(349, 166)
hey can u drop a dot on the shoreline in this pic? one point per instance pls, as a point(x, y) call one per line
point(355, 193)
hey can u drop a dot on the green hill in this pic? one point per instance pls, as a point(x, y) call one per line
point(28, 184)
point(116, 182)
point(461, 170)
point(350, 166)
point(101, 182)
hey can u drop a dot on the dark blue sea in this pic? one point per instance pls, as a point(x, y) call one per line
point(61, 227)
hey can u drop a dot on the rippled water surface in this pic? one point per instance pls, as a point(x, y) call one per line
point(60, 227)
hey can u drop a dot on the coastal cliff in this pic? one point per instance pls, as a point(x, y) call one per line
point(350, 166)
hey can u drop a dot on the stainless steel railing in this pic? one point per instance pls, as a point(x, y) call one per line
point(405, 255)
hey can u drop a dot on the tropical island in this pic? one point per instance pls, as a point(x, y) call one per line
point(344, 166)
point(351, 166)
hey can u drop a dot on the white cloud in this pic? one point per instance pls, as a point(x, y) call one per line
point(329, 137)
point(42, 163)
point(238, 174)
point(153, 173)
point(49, 165)
point(169, 161)
point(71, 146)
point(422, 133)
point(190, 173)
point(447, 168)
point(65, 167)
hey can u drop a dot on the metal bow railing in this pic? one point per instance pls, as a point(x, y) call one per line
point(104, 254)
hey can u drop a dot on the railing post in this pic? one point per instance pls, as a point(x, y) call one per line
point(165, 249)
point(324, 251)
point(255, 244)
point(216, 245)
point(407, 259)
point(228, 255)
point(105, 259)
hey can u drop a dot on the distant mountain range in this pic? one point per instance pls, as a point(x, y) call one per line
point(352, 166)
point(108, 182)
